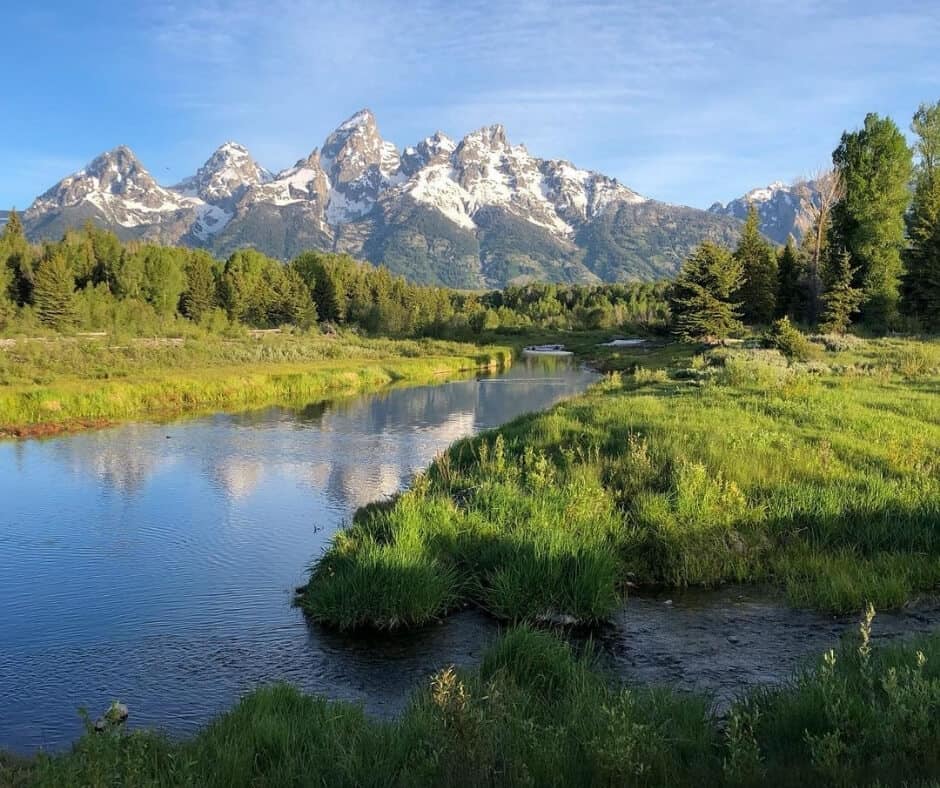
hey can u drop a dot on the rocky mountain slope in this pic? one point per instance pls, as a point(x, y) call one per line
point(471, 213)
point(783, 209)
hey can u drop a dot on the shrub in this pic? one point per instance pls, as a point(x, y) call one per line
point(790, 341)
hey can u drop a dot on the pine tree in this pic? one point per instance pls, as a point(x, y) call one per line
point(17, 257)
point(922, 257)
point(841, 299)
point(54, 292)
point(702, 296)
point(791, 295)
point(758, 293)
point(874, 165)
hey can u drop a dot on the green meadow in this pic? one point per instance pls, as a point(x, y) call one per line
point(728, 465)
point(52, 383)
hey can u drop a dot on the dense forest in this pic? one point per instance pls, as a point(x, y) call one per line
point(90, 280)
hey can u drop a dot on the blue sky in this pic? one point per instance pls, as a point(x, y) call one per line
point(690, 101)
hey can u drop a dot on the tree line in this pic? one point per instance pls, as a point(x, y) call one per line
point(872, 255)
point(90, 280)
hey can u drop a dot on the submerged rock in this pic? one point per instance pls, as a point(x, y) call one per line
point(116, 714)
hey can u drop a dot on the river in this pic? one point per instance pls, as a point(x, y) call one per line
point(155, 562)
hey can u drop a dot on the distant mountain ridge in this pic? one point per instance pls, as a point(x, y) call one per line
point(783, 209)
point(480, 212)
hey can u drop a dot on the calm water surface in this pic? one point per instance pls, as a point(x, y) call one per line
point(155, 563)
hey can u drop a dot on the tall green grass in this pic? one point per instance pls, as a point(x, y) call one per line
point(738, 467)
point(63, 382)
point(535, 713)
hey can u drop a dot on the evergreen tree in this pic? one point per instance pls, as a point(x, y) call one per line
point(54, 292)
point(17, 257)
point(841, 298)
point(702, 296)
point(791, 295)
point(874, 164)
point(201, 294)
point(922, 257)
point(758, 293)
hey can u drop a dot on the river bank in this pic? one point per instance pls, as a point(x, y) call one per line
point(53, 386)
point(536, 713)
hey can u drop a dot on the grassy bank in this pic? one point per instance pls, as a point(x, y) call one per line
point(535, 714)
point(729, 466)
point(49, 384)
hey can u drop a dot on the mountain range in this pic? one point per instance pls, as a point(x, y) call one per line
point(479, 212)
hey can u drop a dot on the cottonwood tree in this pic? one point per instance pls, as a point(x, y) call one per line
point(819, 194)
point(702, 297)
point(922, 257)
point(201, 294)
point(874, 164)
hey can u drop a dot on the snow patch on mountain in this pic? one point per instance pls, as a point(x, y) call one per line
point(343, 182)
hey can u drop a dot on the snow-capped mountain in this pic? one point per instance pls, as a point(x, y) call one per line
point(472, 213)
point(783, 209)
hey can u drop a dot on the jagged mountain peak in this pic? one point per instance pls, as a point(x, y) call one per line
point(225, 176)
point(364, 118)
point(491, 138)
point(472, 213)
point(359, 132)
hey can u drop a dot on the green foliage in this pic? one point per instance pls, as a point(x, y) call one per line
point(875, 166)
point(200, 296)
point(791, 292)
point(54, 292)
point(544, 520)
point(922, 257)
point(759, 283)
point(17, 261)
point(841, 299)
point(701, 298)
point(55, 383)
point(790, 341)
point(536, 713)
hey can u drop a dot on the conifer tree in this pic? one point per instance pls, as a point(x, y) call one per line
point(17, 257)
point(758, 293)
point(54, 292)
point(791, 298)
point(874, 165)
point(841, 299)
point(702, 297)
point(922, 257)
